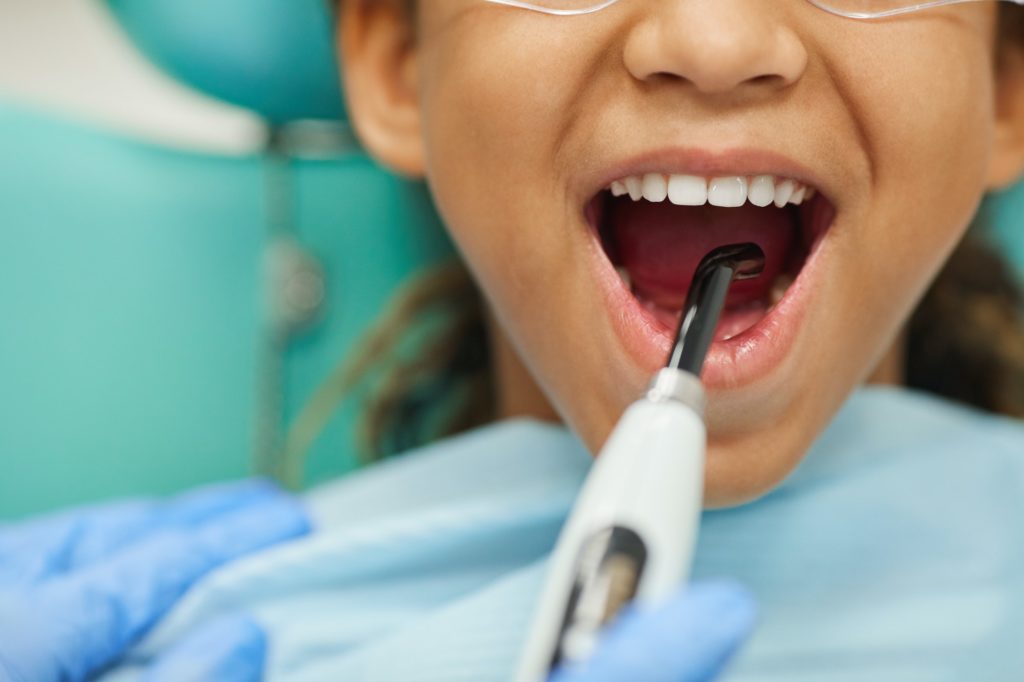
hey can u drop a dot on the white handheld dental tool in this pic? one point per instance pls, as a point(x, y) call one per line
point(633, 529)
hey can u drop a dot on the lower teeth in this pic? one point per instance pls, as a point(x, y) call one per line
point(779, 289)
point(624, 274)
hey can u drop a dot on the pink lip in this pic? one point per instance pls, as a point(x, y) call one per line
point(733, 363)
point(743, 359)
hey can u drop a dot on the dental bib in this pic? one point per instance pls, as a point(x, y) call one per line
point(894, 553)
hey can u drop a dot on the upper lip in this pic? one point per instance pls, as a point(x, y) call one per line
point(708, 163)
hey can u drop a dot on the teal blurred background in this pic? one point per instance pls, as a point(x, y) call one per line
point(1005, 219)
point(134, 288)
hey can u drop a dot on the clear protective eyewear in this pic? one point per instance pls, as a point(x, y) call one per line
point(851, 9)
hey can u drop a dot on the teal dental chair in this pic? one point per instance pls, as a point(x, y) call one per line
point(1005, 213)
point(139, 355)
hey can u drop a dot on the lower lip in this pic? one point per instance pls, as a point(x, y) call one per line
point(732, 363)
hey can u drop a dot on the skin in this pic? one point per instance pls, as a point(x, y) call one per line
point(905, 122)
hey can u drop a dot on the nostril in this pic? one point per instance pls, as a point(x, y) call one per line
point(715, 51)
point(765, 79)
point(760, 82)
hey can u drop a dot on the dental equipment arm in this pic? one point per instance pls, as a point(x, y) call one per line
point(632, 531)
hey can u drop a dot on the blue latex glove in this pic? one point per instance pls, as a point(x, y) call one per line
point(690, 638)
point(79, 588)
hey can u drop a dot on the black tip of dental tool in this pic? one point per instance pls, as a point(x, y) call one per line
point(706, 300)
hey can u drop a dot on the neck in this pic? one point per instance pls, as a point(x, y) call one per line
point(891, 371)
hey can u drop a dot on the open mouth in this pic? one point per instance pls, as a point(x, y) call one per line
point(656, 228)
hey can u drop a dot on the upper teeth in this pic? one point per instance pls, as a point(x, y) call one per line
point(726, 191)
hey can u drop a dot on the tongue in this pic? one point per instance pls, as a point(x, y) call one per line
point(661, 244)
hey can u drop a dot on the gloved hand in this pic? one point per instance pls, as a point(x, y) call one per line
point(690, 638)
point(79, 588)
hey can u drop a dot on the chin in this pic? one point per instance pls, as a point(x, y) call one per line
point(741, 472)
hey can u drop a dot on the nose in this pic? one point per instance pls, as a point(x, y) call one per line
point(717, 46)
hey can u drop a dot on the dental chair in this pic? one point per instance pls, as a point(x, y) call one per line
point(1004, 213)
point(167, 313)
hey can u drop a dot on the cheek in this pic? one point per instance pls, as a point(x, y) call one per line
point(499, 91)
point(926, 119)
point(490, 96)
point(495, 99)
point(474, 106)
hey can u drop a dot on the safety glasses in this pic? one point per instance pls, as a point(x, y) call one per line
point(852, 9)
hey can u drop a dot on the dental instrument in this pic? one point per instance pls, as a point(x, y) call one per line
point(633, 529)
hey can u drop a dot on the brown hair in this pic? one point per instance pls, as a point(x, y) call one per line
point(965, 342)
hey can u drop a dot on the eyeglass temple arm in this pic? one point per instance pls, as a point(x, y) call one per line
point(820, 4)
point(824, 5)
point(563, 12)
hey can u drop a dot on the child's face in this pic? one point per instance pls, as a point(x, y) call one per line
point(519, 120)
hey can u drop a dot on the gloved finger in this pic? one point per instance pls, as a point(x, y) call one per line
point(690, 638)
point(232, 649)
point(102, 610)
point(67, 541)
